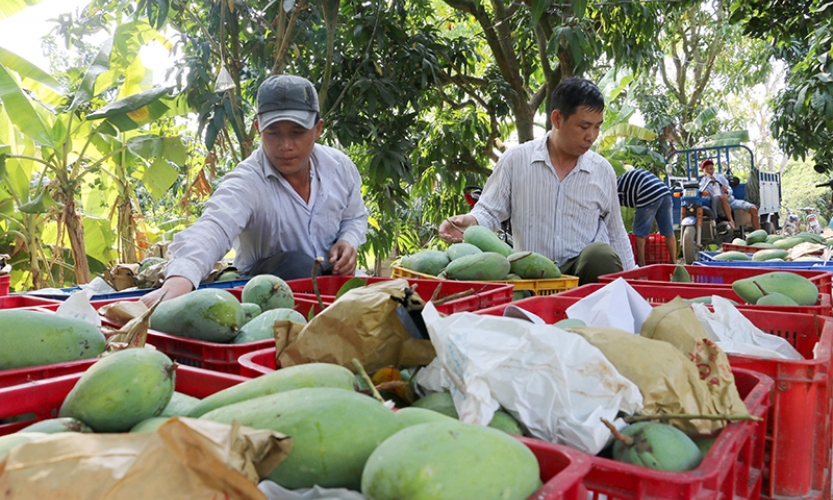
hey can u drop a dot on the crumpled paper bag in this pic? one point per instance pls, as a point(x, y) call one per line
point(361, 324)
point(675, 323)
point(184, 459)
point(735, 334)
point(616, 305)
point(121, 276)
point(669, 382)
point(555, 383)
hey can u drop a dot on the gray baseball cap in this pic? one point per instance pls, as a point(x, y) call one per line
point(287, 97)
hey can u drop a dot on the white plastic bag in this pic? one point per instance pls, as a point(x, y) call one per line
point(735, 334)
point(554, 382)
point(78, 306)
point(616, 305)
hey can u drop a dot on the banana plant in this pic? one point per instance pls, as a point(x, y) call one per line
point(82, 154)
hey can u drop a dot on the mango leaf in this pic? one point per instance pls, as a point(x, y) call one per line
point(538, 9)
point(40, 204)
point(579, 8)
point(150, 147)
point(20, 110)
point(9, 7)
point(159, 177)
point(349, 285)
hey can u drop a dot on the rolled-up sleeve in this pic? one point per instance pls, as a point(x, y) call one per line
point(197, 249)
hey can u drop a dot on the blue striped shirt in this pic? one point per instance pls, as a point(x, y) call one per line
point(638, 188)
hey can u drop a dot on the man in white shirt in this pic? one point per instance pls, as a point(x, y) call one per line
point(722, 196)
point(291, 201)
point(559, 196)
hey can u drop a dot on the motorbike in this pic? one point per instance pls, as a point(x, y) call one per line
point(699, 226)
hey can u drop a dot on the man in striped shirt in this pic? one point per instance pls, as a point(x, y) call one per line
point(559, 196)
point(651, 198)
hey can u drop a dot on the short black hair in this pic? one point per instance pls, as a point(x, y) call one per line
point(573, 93)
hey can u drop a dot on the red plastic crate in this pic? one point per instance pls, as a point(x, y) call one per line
point(25, 302)
point(18, 376)
point(5, 280)
point(660, 274)
point(731, 469)
point(660, 294)
point(256, 363)
point(655, 250)
point(562, 470)
point(485, 294)
point(42, 399)
point(202, 354)
point(800, 432)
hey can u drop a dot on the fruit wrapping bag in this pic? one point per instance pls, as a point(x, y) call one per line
point(669, 382)
point(361, 324)
point(184, 459)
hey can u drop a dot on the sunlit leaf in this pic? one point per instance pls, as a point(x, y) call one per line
point(20, 110)
point(9, 7)
point(152, 147)
point(40, 204)
point(99, 239)
point(349, 285)
point(33, 78)
point(159, 177)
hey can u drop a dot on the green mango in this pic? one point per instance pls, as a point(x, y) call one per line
point(285, 379)
point(775, 299)
point(763, 244)
point(427, 262)
point(733, 255)
point(121, 390)
point(774, 253)
point(333, 433)
point(486, 240)
point(756, 236)
point(811, 237)
point(209, 314)
point(268, 292)
point(533, 266)
point(450, 461)
point(262, 327)
point(658, 446)
point(413, 415)
point(149, 261)
point(31, 338)
point(803, 291)
point(788, 242)
point(149, 424)
point(458, 250)
point(772, 238)
point(739, 242)
point(569, 323)
point(680, 275)
point(228, 276)
point(250, 311)
point(54, 425)
point(180, 405)
point(486, 266)
point(443, 402)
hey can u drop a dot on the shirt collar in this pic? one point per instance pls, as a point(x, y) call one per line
point(540, 153)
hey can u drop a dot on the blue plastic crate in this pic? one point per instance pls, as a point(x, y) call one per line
point(707, 259)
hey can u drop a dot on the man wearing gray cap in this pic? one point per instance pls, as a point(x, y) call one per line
point(291, 201)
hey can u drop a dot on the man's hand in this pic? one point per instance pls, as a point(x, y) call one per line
point(171, 288)
point(451, 229)
point(343, 258)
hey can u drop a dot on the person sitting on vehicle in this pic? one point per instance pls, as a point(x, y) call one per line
point(652, 200)
point(289, 202)
point(722, 196)
point(559, 196)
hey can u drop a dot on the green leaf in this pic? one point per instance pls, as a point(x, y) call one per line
point(152, 147)
point(21, 112)
point(32, 77)
point(538, 9)
point(99, 238)
point(9, 7)
point(40, 204)
point(349, 285)
point(132, 104)
point(579, 8)
point(738, 136)
point(159, 177)
point(100, 64)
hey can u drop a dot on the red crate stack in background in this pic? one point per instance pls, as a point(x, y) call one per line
point(655, 250)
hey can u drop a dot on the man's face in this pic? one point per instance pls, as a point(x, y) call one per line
point(708, 169)
point(288, 146)
point(577, 133)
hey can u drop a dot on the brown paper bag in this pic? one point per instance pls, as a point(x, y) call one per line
point(676, 324)
point(121, 276)
point(184, 459)
point(361, 324)
point(668, 381)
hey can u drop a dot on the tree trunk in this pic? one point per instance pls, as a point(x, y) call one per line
point(75, 231)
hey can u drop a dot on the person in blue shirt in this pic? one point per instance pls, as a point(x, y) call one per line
point(652, 200)
point(291, 201)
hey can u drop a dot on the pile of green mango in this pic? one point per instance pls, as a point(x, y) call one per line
point(658, 446)
point(482, 256)
point(776, 247)
point(777, 288)
point(215, 315)
point(341, 438)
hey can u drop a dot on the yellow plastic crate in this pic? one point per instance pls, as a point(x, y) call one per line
point(537, 287)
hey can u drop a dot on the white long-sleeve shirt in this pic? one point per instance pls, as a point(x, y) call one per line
point(256, 211)
point(556, 218)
